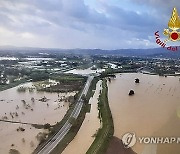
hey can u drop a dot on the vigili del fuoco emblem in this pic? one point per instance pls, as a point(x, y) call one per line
point(173, 32)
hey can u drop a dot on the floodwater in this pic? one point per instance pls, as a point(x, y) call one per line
point(12, 107)
point(154, 110)
point(9, 136)
point(84, 138)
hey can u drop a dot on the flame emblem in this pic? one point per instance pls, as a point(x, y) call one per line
point(174, 25)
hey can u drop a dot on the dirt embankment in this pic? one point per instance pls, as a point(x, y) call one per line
point(116, 147)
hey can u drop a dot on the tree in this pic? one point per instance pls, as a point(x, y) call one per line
point(39, 75)
point(84, 98)
point(136, 80)
point(47, 126)
point(131, 92)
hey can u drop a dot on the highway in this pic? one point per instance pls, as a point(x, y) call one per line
point(54, 141)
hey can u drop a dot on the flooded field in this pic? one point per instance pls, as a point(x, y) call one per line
point(91, 124)
point(154, 110)
point(27, 107)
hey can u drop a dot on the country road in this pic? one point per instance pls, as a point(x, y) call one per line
point(54, 141)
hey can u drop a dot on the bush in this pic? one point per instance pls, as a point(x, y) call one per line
point(131, 92)
point(39, 75)
point(14, 151)
point(47, 126)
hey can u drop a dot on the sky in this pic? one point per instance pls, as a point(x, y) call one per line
point(67, 24)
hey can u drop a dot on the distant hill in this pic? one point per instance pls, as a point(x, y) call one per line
point(155, 52)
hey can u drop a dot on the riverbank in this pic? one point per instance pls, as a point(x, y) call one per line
point(105, 133)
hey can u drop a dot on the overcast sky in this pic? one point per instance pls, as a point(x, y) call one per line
point(105, 24)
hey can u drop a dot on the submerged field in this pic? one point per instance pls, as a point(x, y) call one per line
point(153, 111)
point(33, 107)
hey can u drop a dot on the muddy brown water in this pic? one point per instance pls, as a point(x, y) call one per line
point(154, 110)
point(41, 114)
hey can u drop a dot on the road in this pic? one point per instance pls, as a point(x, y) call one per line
point(54, 141)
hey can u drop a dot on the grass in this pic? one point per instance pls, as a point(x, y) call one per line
point(11, 85)
point(68, 77)
point(104, 134)
point(114, 71)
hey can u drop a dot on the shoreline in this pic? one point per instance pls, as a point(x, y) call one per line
point(105, 133)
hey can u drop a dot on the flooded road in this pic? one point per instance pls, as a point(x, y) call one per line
point(154, 110)
point(18, 106)
point(84, 138)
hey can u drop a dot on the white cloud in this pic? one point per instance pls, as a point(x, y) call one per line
point(75, 24)
point(27, 35)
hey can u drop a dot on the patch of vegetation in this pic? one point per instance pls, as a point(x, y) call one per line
point(39, 126)
point(14, 151)
point(111, 72)
point(65, 78)
point(92, 88)
point(11, 85)
point(105, 133)
point(41, 136)
point(39, 75)
point(20, 129)
point(65, 83)
point(21, 89)
point(131, 92)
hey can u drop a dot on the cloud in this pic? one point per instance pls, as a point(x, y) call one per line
point(27, 35)
point(76, 24)
point(160, 4)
